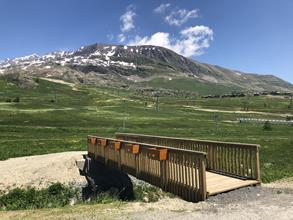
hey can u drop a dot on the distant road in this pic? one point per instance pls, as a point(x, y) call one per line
point(237, 111)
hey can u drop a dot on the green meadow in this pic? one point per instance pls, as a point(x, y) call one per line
point(54, 117)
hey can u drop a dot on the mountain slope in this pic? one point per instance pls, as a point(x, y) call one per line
point(120, 65)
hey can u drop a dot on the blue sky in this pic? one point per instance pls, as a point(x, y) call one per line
point(251, 35)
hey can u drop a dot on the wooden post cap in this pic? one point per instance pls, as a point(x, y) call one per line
point(135, 149)
point(93, 140)
point(157, 154)
point(117, 145)
point(103, 142)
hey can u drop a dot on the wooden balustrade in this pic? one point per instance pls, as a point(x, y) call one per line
point(179, 171)
point(235, 159)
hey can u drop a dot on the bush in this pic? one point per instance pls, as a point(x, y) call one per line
point(16, 100)
point(37, 80)
point(267, 126)
point(57, 195)
point(147, 193)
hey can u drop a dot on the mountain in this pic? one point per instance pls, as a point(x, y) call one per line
point(118, 65)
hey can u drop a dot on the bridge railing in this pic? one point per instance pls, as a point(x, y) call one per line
point(232, 159)
point(181, 172)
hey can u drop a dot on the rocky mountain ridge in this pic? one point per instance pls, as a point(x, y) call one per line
point(119, 64)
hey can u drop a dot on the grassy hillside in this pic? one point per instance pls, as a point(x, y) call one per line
point(37, 125)
point(192, 85)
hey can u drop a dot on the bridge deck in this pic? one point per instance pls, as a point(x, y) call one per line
point(217, 183)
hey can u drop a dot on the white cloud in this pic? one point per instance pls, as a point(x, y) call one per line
point(181, 16)
point(191, 42)
point(121, 38)
point(158, 39)
point(162, 8)
point(127, 19)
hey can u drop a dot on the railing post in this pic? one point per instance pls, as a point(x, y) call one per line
point(88, 145)
point(137, 168)
point(202, 178)
point(257, 165)
point(106, 155)
point(163, 174)
point(119, 159)
point(210, 154)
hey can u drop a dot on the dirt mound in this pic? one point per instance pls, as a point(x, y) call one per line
point(40, 171)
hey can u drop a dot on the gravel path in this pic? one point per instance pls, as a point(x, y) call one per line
point(246, 203)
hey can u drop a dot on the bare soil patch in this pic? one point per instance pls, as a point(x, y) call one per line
point(40, 171)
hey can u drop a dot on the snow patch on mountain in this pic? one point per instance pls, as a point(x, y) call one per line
point(99, 57)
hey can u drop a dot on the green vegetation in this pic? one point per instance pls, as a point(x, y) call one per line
point(36, 125)
point(146, 193)
point(267, 126)
point(192, 85)
point(57, 195)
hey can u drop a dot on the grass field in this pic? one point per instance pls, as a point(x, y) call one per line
point(192, 85)
point(36, 125)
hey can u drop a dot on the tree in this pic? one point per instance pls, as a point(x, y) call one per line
point(267, 126)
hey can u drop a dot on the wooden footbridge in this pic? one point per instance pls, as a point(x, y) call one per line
point(191, 169)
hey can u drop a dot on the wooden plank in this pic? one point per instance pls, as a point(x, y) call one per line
point(217, 183)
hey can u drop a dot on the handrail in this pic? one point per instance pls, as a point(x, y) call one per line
point(233, 159)
point(178, 171)
point(187, 139)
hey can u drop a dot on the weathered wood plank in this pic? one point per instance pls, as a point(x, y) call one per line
point(219, 183)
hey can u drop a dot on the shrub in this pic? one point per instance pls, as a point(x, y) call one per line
point(37, 80)
point(147, 193)
point(267, 126)
point(57, 195)
point(17, 99)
